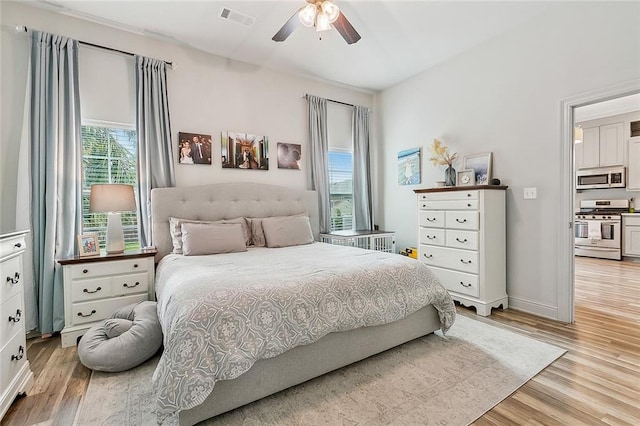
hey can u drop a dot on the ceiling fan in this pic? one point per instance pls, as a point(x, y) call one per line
point(321, 14)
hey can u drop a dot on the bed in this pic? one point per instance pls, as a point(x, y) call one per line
point(284, 302)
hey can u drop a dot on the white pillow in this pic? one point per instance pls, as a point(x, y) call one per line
point(211, 238)
point(285, 231)
point(175, 229)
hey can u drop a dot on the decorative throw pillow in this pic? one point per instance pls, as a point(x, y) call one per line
point(287, 231)
point(211, 238)
point(175, 228)
point(257, 233)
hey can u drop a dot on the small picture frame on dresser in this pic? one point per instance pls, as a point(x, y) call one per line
point(466, 177)
point(88, 245)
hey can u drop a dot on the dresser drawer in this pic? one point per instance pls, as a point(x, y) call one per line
point(10, 278)
point(460, 260)
point(432, 236)
point(129, 284)
point(462, 239)
point(454, 195)
point(100, 309)
point(12, 245)
point(91, 289)
point(449, 205)
point(462, 220)
point(11, 318)
point(97, 269)
point(431, 218)
point(12, 357)
point(458, 282)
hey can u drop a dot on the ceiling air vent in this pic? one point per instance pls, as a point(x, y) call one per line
point(237, 17)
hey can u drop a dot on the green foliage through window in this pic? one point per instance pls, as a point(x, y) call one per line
point(109, 155)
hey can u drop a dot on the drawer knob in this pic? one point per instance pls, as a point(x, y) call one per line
point(464, 285)
point(466, 262)
point(468, 195)
point(17, 245)
point(80, 314)
point(131, 286)
point(17, 317)
point(428, 257)
point(431, 237)
point(90, 292)
point(461, 221)
point(20, 354)
point(424, 205)
point(85, 271)
point(135, 265)
point(468, 204)
point(15, 279)
point(431, 219)
point(461, 241)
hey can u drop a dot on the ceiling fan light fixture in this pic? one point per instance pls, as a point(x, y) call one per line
point(307, 15)
point(331, 11)
point(322, 22)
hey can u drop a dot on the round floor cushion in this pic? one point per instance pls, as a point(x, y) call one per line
point(127, 339)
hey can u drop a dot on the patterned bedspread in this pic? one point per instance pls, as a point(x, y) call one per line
point(222, 313)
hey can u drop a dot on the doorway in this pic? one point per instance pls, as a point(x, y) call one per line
point(566, 265)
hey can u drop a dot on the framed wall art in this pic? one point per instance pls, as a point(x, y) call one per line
point(289, 156)
point(466, 177)
point(88, 245)
point(409, 167)
point(194, 148)
point(244, 151)
point(481, 164)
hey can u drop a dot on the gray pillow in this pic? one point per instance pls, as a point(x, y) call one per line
point(211, 238)
point(113, 327)
point(257, 233)
point(175, 229)
point(285, 231)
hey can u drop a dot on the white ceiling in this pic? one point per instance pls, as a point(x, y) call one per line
point(399, 38)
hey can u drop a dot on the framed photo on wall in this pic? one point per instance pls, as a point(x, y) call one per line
point(194, 148)
point(409, 167)
point(481, 164)
point(88, 245)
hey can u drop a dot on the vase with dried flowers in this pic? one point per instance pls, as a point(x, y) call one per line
point(441, 157)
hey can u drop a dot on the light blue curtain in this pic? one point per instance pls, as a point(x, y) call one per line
point(362, 204)
point(319, 151)
point(55, 137)
point(155, 161)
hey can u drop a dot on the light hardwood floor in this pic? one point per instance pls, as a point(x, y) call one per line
point(596, 382)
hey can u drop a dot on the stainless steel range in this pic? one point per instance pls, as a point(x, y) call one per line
point(598, 228)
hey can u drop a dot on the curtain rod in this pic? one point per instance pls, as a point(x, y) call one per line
point(335, 102)
point(123, 52)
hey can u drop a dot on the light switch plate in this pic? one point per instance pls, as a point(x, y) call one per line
point(530, 193)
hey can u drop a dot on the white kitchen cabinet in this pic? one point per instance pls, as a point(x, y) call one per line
point(631, 235)
point(462, 238)
point(601, 146)
point(633, 170)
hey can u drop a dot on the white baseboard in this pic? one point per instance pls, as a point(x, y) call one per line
point(535, 308)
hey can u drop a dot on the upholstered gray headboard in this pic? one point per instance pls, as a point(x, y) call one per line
point(226, 201)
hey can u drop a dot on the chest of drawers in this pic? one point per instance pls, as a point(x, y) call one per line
point(462, 237)
point(95, 287)
point(15, 375)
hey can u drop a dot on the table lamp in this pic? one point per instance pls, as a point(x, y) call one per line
point(113, 199)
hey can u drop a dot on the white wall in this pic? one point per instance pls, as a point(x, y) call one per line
point(504, 96)
point(207, 94)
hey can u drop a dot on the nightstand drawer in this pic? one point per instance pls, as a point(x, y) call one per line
point(129, 284)
point(101, 309)
point(11, 318)
point(12, 245)
point(91, 289)
point(10, 278)
point(12, 357)
point(96, 269)
point(458, 282)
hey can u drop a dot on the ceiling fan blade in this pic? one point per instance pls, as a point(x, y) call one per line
point(287, 28)
point(346, 30)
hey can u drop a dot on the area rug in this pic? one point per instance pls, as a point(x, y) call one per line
point(433, 380)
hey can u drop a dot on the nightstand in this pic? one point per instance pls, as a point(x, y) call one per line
point(370, 240)
point(96, 286)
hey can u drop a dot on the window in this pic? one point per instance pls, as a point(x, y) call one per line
point(109, 155)
point(341, 189)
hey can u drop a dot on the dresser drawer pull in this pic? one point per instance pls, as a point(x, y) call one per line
point(468, 195)
point(464, 285)
point(461, 221)
point(85, 271)
point(80, 314)
point(17, 245)
point(428, 257)
point(86, 290)
point(466, 262)
point(431, 237)
point(131, 286)
point(461, 241)
point(17, 317)
point(20, 354)
point(424, 205)
point(135, 265)
point(431, 219)
point(15, 279)
point(468, 204)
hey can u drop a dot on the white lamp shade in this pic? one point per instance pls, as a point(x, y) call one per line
point(577, 134)
point(112, 198)
point(322, 22)
point(307, 15)
point(331, 10)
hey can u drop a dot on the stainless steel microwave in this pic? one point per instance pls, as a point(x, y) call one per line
point(610, 177)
